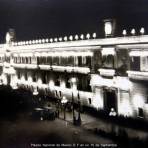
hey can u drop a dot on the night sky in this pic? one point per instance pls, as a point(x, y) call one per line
point(34, 19)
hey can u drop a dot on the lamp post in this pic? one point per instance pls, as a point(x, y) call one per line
point(73, 110)
point(73, 80)
point(64, 102)
point(79, 110)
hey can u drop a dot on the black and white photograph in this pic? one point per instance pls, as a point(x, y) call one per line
point(73, 73)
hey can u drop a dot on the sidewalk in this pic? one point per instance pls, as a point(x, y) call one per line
point(91, 123)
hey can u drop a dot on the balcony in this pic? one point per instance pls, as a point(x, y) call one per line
point(69, 69)
point(27, 66)
point(138, 75)
point(107, 72)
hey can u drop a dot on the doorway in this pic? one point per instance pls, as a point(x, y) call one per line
point(8, 79)
point(110, 100)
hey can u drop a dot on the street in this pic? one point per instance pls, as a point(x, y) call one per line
point(24, 132)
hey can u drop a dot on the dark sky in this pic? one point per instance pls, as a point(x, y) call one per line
point(33, 19)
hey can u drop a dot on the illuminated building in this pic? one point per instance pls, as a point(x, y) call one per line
point(106, 73)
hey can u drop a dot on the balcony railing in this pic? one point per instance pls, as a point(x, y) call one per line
point(138, 75)
point(107, 72)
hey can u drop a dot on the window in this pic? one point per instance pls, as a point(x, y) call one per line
point(79, 61)
point(55, 61)
point(88, 61)
point(70, 61)
point(89, 100)
point(38, 60)
point(57, 81)
point(19, 74)
point(29, 60)
point(135, 63)
point(34, 77)
point(144, 63)
point(44, 77)
point(146, 98)
point(60, 94)
point(26, 75)
point(63, 61)
point(108, 61)
point(140, 112)
point(67, 83)
point(49, 60)
point(84, 83)
point(56, 93)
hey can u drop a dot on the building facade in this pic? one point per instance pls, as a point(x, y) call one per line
point(104, 73)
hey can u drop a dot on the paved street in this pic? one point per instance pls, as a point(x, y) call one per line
point(24, 133)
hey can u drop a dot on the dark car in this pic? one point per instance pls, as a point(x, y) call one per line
point(45, 113)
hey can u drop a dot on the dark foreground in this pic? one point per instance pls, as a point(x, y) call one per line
point(19, 130)
point(23, 132)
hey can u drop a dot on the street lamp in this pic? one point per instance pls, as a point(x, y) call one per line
point(64, 102)
point(124, 32)
point(73, 110)
point(142, 31)
point(133, 32)
point(79, 105)
point(35, 92)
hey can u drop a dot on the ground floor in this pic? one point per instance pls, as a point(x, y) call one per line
point(117, 94)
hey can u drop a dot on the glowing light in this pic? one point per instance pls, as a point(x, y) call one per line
point(76, 37)
point(94, 35)
point(108, 28)
point(124, 32)
point(60, 39)
point(8, 38)
point(142, 31)
point(70, 37)
point(13, 43)
point(64, 100)
point(33, 42)
point(36, 41)
point(14, 87)
point(51, 40)
point(47, 40)
point(51, 84)
point(133, 32)
point(65, 38)
point(55, 39)
point(35, 92)
point(40, 41)
point(73, 80)
point(88, 36)
point(43, 40)
point(82, 36)
point(30, 42)
point(29, 79)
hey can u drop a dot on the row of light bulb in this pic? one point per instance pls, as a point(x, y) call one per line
point(60, 39)
point(133, 31)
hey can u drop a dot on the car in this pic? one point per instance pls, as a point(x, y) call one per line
point(44, 113)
